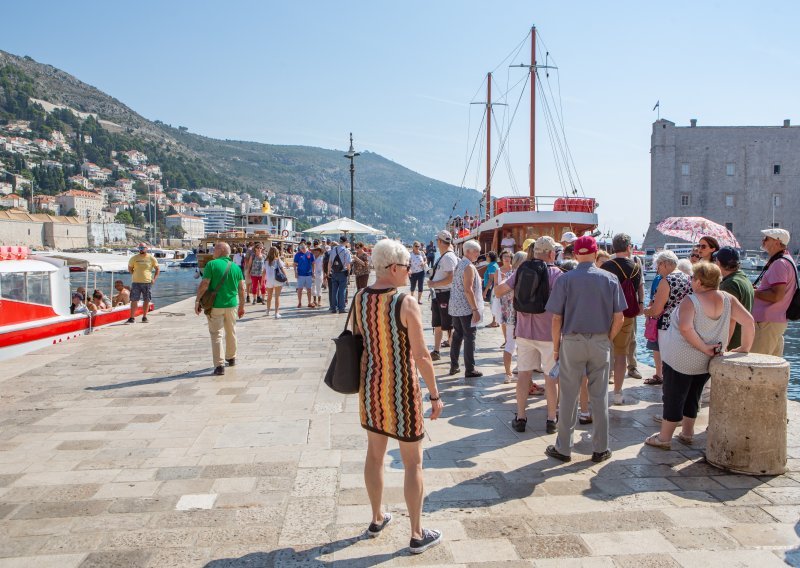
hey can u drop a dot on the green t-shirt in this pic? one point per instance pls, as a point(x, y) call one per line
point(738, 286)
point(228, 293)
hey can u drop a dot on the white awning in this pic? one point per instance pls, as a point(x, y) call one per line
point(28, 265)
point(92, 261)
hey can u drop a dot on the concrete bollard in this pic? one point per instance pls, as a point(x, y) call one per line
point(747, 414)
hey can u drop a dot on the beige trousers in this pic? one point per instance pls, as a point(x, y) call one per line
point(769, 338)
point(219, 319)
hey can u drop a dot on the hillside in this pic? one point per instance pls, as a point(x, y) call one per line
point(388, 195)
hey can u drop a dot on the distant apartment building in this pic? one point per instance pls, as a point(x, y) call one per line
point(743, 177)
point(193, 227)
point(218, 219)
point(15, 201)
point(81, 181)
point(87, 204)
point(46, 203)
point(102, 234)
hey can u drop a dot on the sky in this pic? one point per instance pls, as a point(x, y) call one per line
point(401, 76)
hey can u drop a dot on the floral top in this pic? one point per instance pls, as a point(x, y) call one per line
point(507, 301)
point(361, 264)
point(680, 286)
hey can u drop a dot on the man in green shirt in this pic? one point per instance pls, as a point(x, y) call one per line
point(228, 303)
point(735, 283)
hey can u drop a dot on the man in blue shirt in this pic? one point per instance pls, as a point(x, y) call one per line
point(338, 268)
point(587, 305)
point(303, 273)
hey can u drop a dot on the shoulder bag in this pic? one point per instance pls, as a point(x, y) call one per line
point(208, 297)
point(280, 275)
point(344, 372)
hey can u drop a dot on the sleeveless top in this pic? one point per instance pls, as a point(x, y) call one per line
point(257, 266)
point(390, 402)
point(680, 285)
point(679, 354)
point(459, 306)
point(507, 301)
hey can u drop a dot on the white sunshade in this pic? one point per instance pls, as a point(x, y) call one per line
point(343, 225)
point(27, 265)
point(92, 261)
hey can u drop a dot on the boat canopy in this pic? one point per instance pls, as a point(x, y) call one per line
point(26, 266)
point(92, 261)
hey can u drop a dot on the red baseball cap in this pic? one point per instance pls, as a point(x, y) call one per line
point(585, 245)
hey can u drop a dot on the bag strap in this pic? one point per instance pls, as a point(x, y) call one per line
point(622, 270)
point(224, 275)
point(350, 313)
point(766, 267)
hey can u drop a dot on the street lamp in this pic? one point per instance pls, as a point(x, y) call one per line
point(351, 154)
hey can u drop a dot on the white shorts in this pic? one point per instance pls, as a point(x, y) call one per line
point(534, 355)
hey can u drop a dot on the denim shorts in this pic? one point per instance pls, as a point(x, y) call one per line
point(304, 282)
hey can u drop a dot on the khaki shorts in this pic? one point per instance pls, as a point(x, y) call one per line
point(622, 340)
point(768, 339)
point(533, 355)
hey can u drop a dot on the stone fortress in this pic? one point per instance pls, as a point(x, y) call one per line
point(744, 177)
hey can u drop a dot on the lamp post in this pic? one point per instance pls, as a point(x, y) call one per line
point(351, 154)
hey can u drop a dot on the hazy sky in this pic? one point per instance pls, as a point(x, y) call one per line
point(401, 75)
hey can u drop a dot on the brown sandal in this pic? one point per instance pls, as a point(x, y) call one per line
point(654, 380)
point(688, 440)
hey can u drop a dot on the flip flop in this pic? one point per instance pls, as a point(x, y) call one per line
point(656, 442)
point(535, 390)
point(654, 380)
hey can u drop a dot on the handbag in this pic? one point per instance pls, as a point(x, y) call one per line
point(651, 329)
point(280, 275)
point(344, 372)
point(208, 297)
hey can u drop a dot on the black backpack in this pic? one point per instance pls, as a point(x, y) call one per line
point(532, 287)
point(336, 264)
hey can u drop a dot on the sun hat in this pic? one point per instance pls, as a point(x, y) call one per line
point(781, 235)
point(544, 244)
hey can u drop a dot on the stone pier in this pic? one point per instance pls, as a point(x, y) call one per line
point(119, 449)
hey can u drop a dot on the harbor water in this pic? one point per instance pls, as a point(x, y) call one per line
point(176, 284)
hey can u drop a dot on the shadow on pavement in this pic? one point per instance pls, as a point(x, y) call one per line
point(152, 381)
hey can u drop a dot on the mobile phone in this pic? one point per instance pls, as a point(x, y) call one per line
point(718, 349)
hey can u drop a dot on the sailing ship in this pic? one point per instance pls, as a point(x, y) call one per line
point(534, 215)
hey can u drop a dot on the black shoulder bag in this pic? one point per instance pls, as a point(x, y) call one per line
point(344, 372)
point(793, 311)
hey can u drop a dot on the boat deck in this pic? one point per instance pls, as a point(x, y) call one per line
point(119, 449)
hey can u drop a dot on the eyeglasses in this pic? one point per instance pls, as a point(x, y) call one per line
point(408, 266)
point(694, 256)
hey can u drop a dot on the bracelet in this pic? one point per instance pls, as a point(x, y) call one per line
point(436, 398)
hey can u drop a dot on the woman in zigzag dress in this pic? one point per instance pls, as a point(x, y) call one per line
point(389, 399)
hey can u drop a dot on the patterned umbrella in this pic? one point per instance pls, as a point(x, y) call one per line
point(692, 229)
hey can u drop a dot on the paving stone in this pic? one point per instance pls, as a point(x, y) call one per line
point(171, 473)
point(765, 536)
point(698, 538)
point(593, 562)
point(158, 538)
point(116, 559)
point(599, 522)
point(728, 559)
point(67, 509)
point(646, 561)
point(627, 542)
point(551, 546)
point(201, 501)
point(484, 550)
point(44, 561)
point(81, 445)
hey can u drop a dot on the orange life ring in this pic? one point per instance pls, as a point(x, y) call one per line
point(285, 233)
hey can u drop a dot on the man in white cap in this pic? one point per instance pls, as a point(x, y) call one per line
point(567, 240)
point(775, 288)
point(440, 282)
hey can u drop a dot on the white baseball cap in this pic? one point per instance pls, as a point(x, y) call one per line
point(445, 236)
point(781, 235)
point(568, 237)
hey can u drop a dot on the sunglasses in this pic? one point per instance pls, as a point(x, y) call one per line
point(408, 266)
point(694, 256)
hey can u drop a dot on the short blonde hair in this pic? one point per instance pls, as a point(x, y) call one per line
point(602, 255)
point(519, 258)
point(707, 274)
point(386, 253)
point(471, 245)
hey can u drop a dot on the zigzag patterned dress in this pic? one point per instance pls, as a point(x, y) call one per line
point(390, 401)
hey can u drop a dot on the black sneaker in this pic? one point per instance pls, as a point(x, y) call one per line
point(435, 356)
point(585, 419)
point(430, 538)
point(131, 320)
point(375, 529)
point(231, 362)
point(219, 370)
point(598, 457)
point(145, 320)
point(454, 370)
point(519, 424)
point(552, 452)
point(551, 427)
point(473, 374)
point(247, 299)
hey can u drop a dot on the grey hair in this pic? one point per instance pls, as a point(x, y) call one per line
point(665, 257)
point(685, 266)
point(386, 253)
point(519, 258)
point(471, 245)
point(223, 247)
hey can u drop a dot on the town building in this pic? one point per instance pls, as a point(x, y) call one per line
point(19, 228)
point(15, 201)
point(742, 177)
point(218, 219)
point(194, 227)
point(46, 203)
point(102, 234)
point(86, 203)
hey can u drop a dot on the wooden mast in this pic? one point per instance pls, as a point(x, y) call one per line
point(532, 180)
point(488, 145)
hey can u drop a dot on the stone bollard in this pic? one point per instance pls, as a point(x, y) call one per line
point(747, 413)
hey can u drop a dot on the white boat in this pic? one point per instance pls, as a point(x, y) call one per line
point(35, 299)
point(753, 260)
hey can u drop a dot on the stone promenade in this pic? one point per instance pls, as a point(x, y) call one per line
point(120, 450)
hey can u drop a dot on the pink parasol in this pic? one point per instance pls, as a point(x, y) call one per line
point(692, 229)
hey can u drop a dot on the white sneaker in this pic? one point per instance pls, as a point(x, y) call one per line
point(278, 316)
point(619, 399)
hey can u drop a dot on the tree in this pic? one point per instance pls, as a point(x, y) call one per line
point(176, 231)
point(124, 217)
point(71, 213)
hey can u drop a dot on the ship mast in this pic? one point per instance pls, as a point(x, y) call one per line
point(488, 144)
